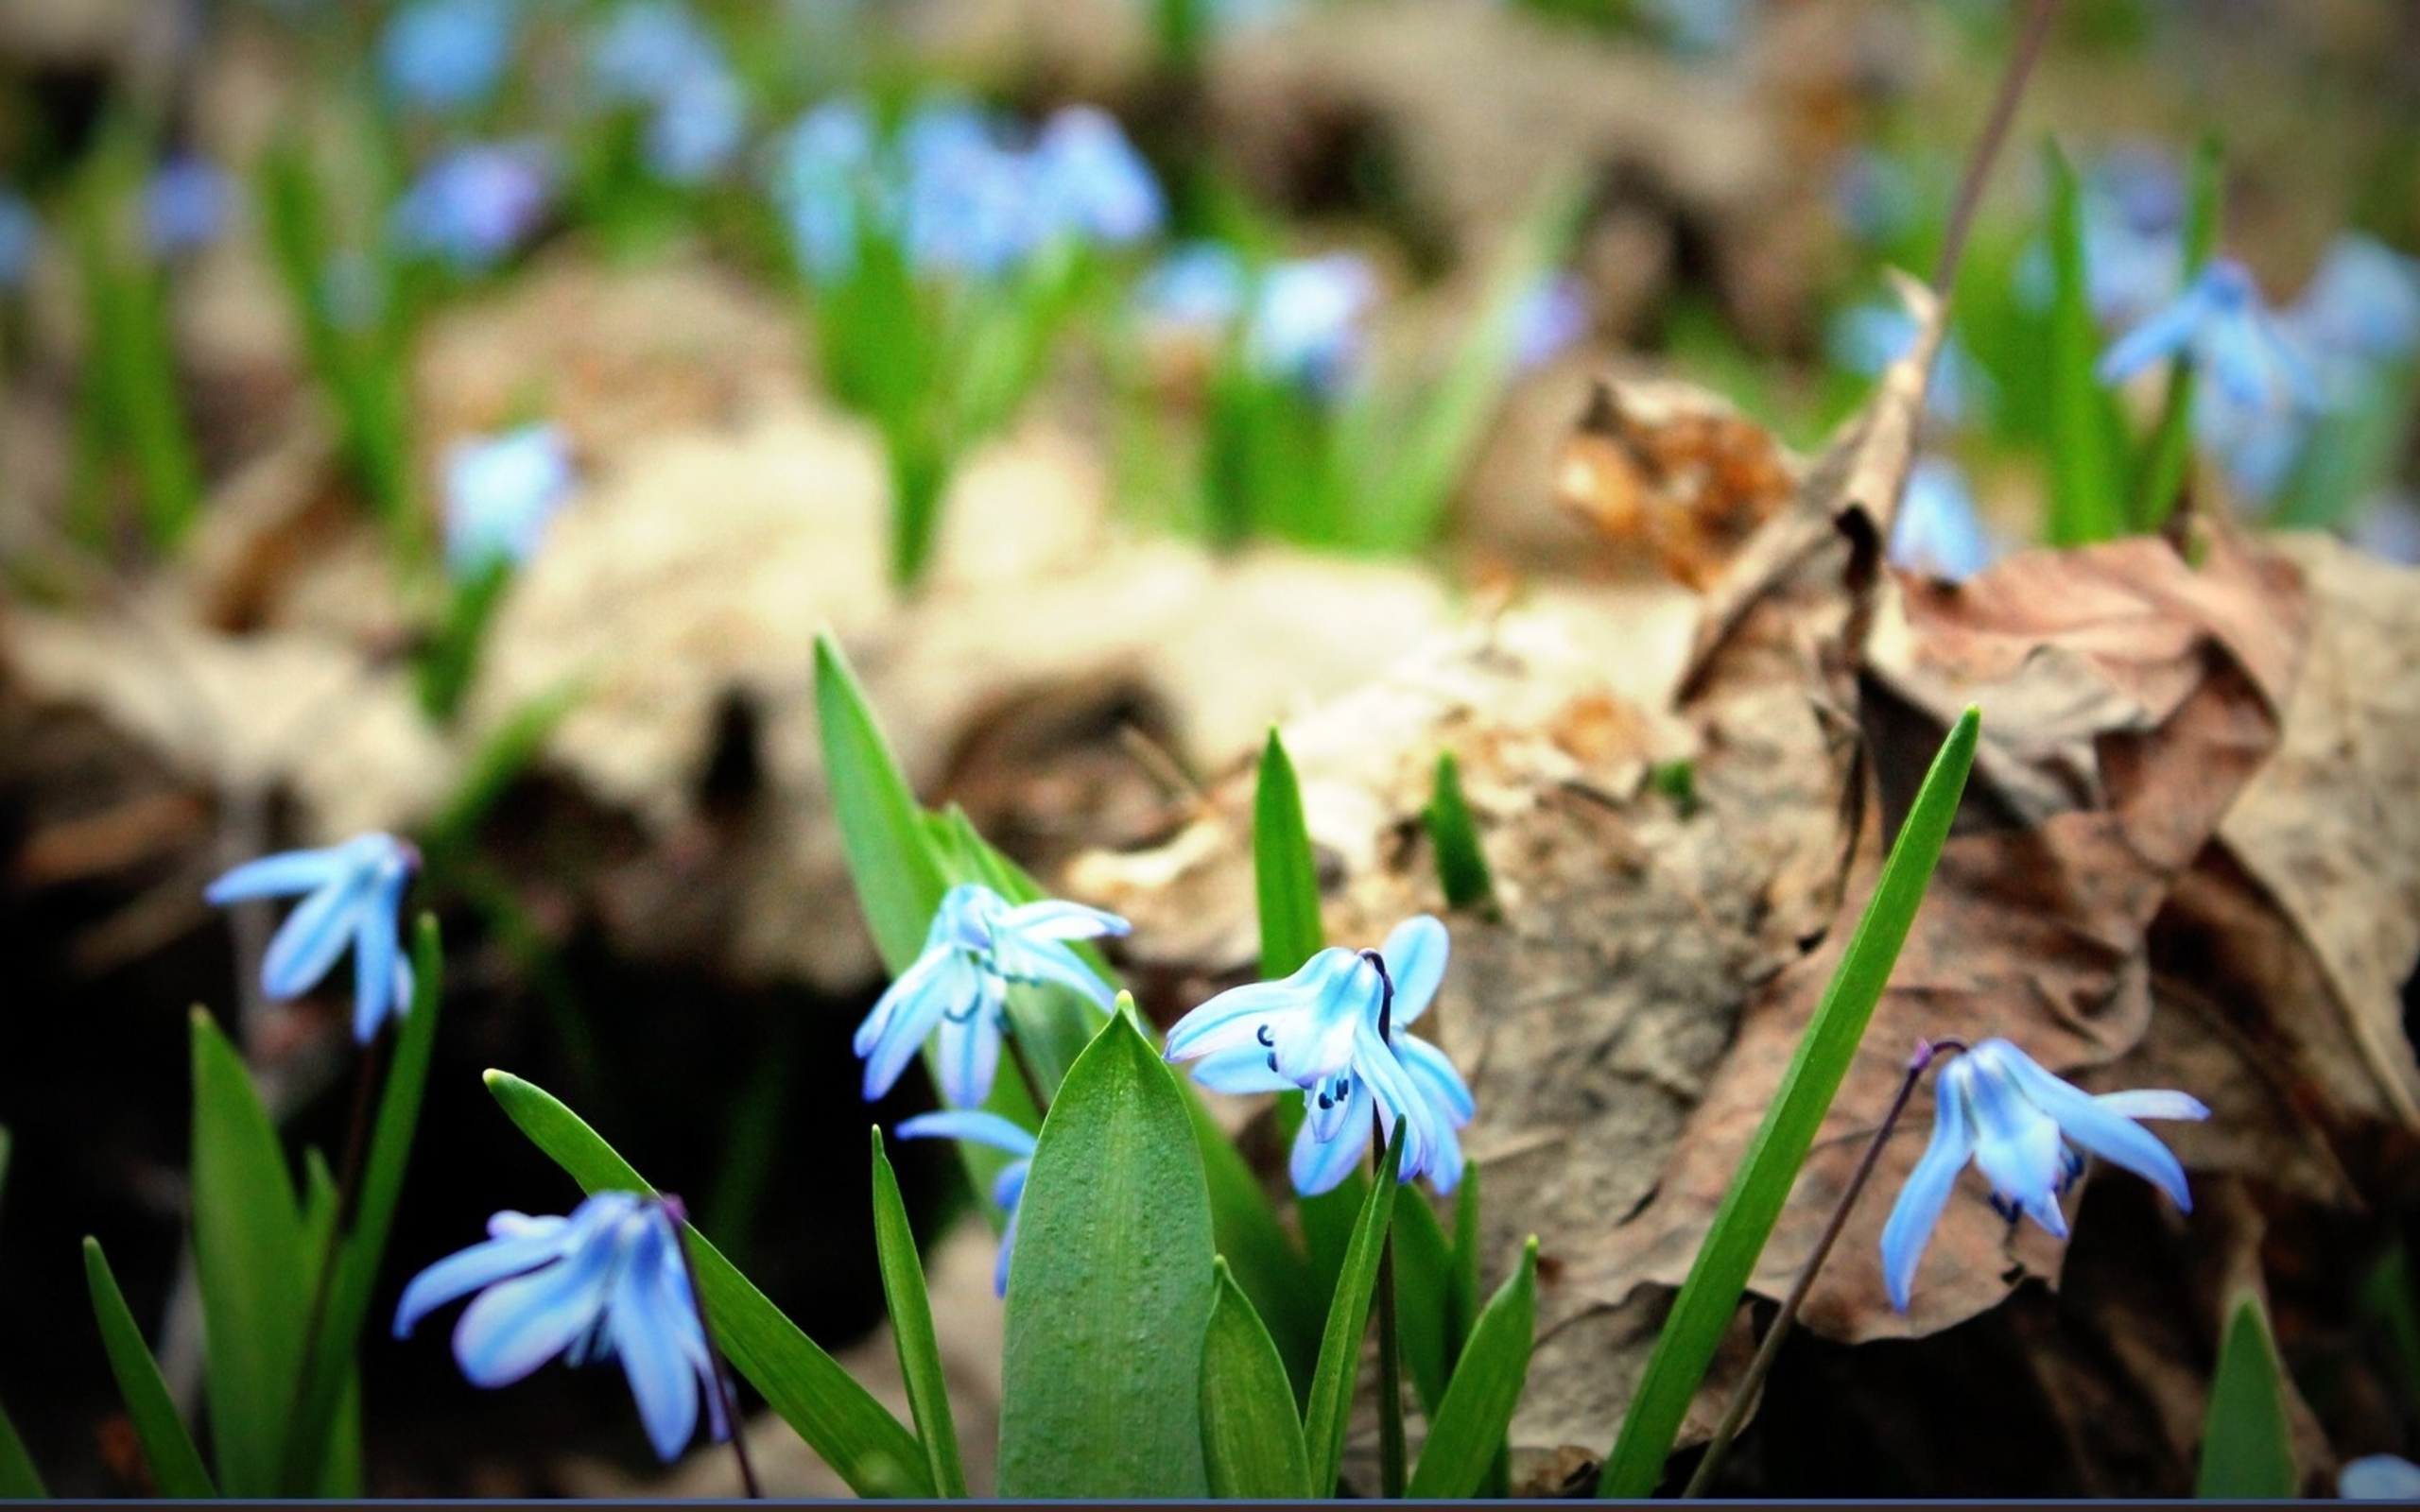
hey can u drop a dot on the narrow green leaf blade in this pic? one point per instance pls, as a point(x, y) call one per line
point(2171, 448)
point(2248, 1446)
point(911, 1327)
point(882, 831)
point(2087, 502)
point(248, 1249)
point(19, 1480)
point(1110, 1288)
point(839, 1419)
point(1285, 875)
point(1249, 1239)
point(1462, 865)
point(1348, 1319)
point(1466, 1432)
point(1753, 1201)
point(1252, 1442)
point(176, 1465)
point(1423, 1297)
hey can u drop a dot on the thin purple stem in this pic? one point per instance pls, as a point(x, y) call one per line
point(724, 1392)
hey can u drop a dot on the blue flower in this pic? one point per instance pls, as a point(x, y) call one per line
point(1547, 318)
point(500, 492)
point(1008, 1187)
point(1198, 287)
point(476, 204)
point(2232, 336)
point(2258, 444)
point(2132, 212)
point(444, 54)
point(969, 205)
point(354, 890)
point(979, 943)
point(1306, 324)
point(184, 206)
point(19, 231)
point(2362, 308)
point(696, 130)
point(1867, 339)
point(1092, 182)
point(820, 169)
point(1320, 1030)
point(609, 1280)
point(2378, 1478)
point(649, 49)
point(1937, 531)
point(2014, 1120)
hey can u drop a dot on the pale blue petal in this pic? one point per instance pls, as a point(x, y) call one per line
point(1325, 1106)
point(2164, 335)
point(312, 938)
point(1439, 1085)
point(518, 1325)
point(1008, 1188)
point(965, 917)
point(1008, 1248)
point(1054, 919)
point(375, 959)
point(1050, 961)
point(2104, 1131)
point(652, 1321)
point(1376, 1066)
point(467, 1270)
point(936, 985)
point(2378, 1478)
point(969, 1124)
point(1321, 1165)
point(904, 995)
point(2017, 1143)
point(1236, 1017)
point(278, 876)
point(1342, 1003)
point(969, 1044)
point(1444, 1161)
point(1239, 1073)
point(1415, 956)
point(2145, 1102)
point(1918, 1209)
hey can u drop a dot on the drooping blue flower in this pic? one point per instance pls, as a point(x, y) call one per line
point(500, 493)
point(978, 944)
point(1549, 316)
point(20, 233)
point(2235, 341)
point(1008, 1187)
point(2015, 1120)
point(2378, 1478)
point(1305, 323)
point(354, 890)
point(649, 49)
point(1936, 530)
point(969, 204)
point(1866, 338)
point(609, 1280)
point(474, 205)
point(820, 170)
point(1092, 182)
point(1320, 1030)
point(184, 206)
point(446, 54)
point(1198, 287)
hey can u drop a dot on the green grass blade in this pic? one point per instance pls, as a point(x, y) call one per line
point(2248, 1446)
point(1110, 1291)
point(176, 1465)
point(882, 831)
point(2171, 447)
point(1462, 865)
point(1252, 1442)
point(1466, 1432)
point(19, 1480)
point(249, 1252)
point(1285, 878)
point(839, 1419)
point(911, 1327)
point(1348, 1320)
point(1425, 1285)
point(321, 1384)
point(1753, 1201)
point(2087, 503)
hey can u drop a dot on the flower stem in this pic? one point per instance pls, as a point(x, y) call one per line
point(1391, 1448)
point(723, 1391)
point(1735, 1413)
point(357, 1149)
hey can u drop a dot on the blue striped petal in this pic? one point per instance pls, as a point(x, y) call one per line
point(312, 938)
point(1008, 1248)
point(1396, 1095)
point(968, 1047)
point(375, 959)
point(938, 983)
point(2164, 335)
point(2106, 1131)
point(1053, 918)
point(1440, 1085)
point(1008, 1188)
point(518, 1325)
point(2017, 1143)
point(1320, 1165)
point(1048, 960)
point(1236, 1017)
point(1240, 1072)
point(653, 1322)
point(969, 1124)
point(2146, 1103)
point(1415, 956)
point(1918, 1209)
point(465, 1271)
point(277, 876)
point(1340, 1004)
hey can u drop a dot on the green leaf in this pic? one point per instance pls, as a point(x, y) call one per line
point(911, 1328)
point(1251, 1241)
point(1424, 1284)
point(346, 1308)
point(1252, 1442)
point(2087, 502)
point(249, 1252)
point(19, 1480)
point(839, 1419)
point(2172, 449)
point(882, 831)
point(2248, 1446)
point(1745, 1220)
point(1466, 1432)
point(1348, 1319)
point(1110, 1291)
point(1285, 878)
point(1462, 865)
point(176, 1465)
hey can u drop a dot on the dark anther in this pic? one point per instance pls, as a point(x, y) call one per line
point(1266, 1035)
point(1272, 1060)
point(1386, 993)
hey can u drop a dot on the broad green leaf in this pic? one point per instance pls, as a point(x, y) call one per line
point(1252, 1441)
point(1111, 1289)
point(1348, 1320)
point(839, 1419)
point(1253, 1243)
point(249, 1250)
point(19, 1480)
point(2164, 465)
point(882, 831)
point(1753, 1202)
point(1466, 1430)
point(176, 1465)
point(336, 1325)
point(1286, 877)
point(912, 1329)
point(2247, 1445)
point(1424, 1284)
point(1462, 865)
point(2087, 472)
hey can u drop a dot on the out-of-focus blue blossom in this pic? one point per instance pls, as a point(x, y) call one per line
point(184, 206)
point(354, 890)
point(656, 53)
point(501, 492)
point(2014, 1120)
point(1879, 197)
point(2258, 444)
point(978, 944)
point(1866, 338)
point(969, 204)
point(1700, 28)
point(609, 1280)
point(1199, 286)
point(1092, 182)
point(1305, 323)
point(698, 130)
point(2361, 306)
point(1548, 318)
point(446, 54)
point(2389, 528)
point(2131, 211)
point(2378, 1478)
point(20, 233)
point(820, 169)
point(2235, 341)
point(1008, 1187)
point(1937, 531)
point(474, 206)
point(1321, 1030)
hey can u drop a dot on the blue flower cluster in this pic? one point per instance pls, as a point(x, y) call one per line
point(1301, 320)
point(656, 55)
point(500, 493)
